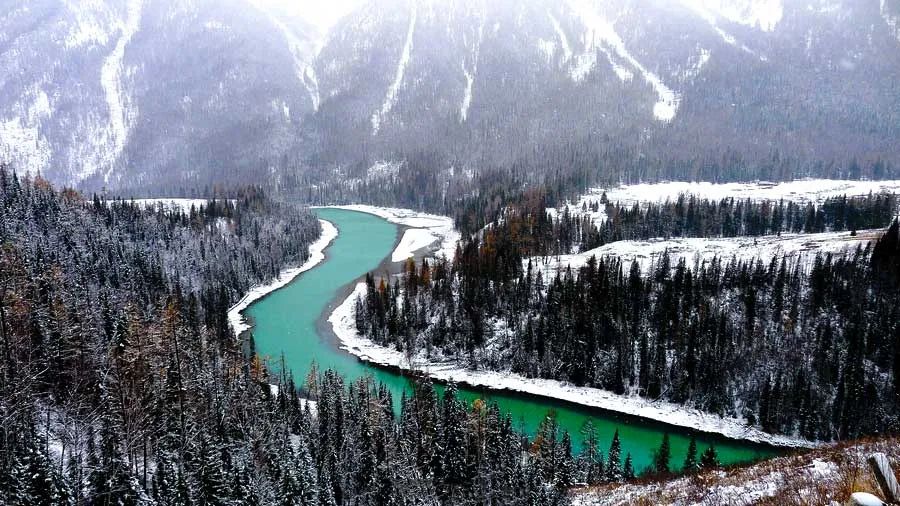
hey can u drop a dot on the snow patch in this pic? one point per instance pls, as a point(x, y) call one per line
point(699, 251)
point(21, 141)
point(470, 76)
point(761, 14)
point(88, 27)
point(801, 191)
point(696, 65)
point(441, 227)
point(700, 8)
point(236, 319)
point(23, 145)
point(601, 33)
point(172, 204)
point(381, 170)
point(391, 99)
point(563, 41)
point(121, 115)
point(301, 52)
point(892, 20)
point(343, 323)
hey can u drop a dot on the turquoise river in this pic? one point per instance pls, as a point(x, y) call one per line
point(288, 322)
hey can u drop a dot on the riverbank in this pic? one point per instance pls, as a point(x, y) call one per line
point(827, 475)
point(343, 324)
point(236, 319)
point(421, 230)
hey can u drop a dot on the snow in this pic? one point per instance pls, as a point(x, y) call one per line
point(865, 499)
point(697, 251)
point(120, 117)
point(413, 240)
point(172, 204)
point(380, 170)
point(820, 476)
point(316, 255)
point(700, 8)
point(696, 64)
point(563, 41)
point(470, 76)
point(599, 31)
point(88, 27)
point(21, 141)
point(391, 99)
point(440, 227)
point(893, 21)
point(301, 52)
point(800, 191)
point(24, 145)
point(761, 14)
point(343, 323)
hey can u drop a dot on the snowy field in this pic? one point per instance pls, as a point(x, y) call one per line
point(424, 230)
point(316, 255)
point(343, 323)
point(171, 204)
point(697, 251)
point(801, 191)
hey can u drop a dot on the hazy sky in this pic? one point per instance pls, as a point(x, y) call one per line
point(322, 13)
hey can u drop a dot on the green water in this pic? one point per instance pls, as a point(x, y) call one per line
point(285, 322)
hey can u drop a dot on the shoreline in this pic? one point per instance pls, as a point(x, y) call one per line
point(421, 231)
point(236, 319)
point(343, 327)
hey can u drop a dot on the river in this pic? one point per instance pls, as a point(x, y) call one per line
point(290, 321)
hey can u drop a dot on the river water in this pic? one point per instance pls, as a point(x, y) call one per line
point(289, 323)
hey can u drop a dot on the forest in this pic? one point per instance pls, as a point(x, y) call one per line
point(807, 348)
point(123, 384)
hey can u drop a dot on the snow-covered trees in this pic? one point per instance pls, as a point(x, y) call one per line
point(122, 384)
point(792, 346)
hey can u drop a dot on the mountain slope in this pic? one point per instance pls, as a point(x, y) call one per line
point(156, 93)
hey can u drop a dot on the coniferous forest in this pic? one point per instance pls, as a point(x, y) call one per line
point(805, 347)
point(122, 383)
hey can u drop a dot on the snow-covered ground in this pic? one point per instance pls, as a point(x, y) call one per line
point(343, 323)
point(696, 251)
point(825, 476)
point(800, 191)
point(424, 230)
point(171, 204)
point(391, 99)
point(316, 254)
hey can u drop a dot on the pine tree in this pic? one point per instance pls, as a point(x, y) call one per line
point(614, 460)
point(709, 459)
point(690, 461)
point(663, 456)
point(629, 468)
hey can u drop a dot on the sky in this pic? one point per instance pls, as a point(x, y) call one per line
point(322, 13)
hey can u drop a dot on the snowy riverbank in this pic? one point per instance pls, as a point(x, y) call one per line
point(343, 323)
point(316, 255)
point(423, 230)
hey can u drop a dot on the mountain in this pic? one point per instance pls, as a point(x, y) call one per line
point(157, 92)
point(108, 92)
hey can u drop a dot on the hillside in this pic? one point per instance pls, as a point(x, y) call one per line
point(168, 95)
point(824, 476)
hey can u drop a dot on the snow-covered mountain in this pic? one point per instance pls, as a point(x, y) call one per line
point(126, 92)
point(117, 92)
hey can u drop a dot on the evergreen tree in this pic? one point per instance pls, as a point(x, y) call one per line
point(691, 464)
point(663, 456)
point(710, 458)
point(613, 460)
